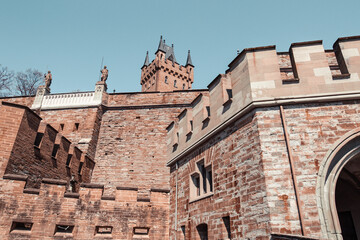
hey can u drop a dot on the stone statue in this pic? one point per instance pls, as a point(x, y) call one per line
point(71, 187)
point(104, 74)
point(48, 78)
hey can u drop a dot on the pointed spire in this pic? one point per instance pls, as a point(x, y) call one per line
point(146, 62)
point(188, 60)
point(161, 45)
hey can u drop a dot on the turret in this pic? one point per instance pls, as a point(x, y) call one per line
point(164, 73)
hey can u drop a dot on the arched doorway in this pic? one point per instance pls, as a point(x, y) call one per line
point(338, 189)
point(202, 230)
point(347, 199)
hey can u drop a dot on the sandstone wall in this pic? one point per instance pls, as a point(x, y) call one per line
point(239, 186)
point(86, 215)
point(132, 148)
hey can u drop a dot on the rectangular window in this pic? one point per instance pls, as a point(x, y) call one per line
point(76, 126)
point(103, 230)
point(61, 127)
point(22, 226)
point(64, 229)
point(141, 231)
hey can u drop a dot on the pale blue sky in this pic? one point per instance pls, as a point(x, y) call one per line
point(70, 37)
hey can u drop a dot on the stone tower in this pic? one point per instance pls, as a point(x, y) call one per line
point(164, 73)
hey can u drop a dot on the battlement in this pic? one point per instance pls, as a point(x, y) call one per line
point(88, 191)
point(263, 77)
point(35, 149)
point(88, 213)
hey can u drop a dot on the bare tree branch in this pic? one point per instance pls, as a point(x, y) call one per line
point(27, 82)
point(6, 78)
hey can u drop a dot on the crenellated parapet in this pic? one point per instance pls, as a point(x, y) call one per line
point(88, 191)
point(263, 77)
point(33, 148)
point(87, 214)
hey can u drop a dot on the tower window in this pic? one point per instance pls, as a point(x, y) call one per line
point(174, 83)
point(76, 126)
point(183, 86)
point(166, 79)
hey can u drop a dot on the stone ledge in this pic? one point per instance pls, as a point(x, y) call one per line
point(32, 191)
point(71, 195)
point(341, 76)
point(15, 177)
point(286, 236)
point(53, 181)
point(111, 198)
point(143, 199)
point(92, 185)
point(160, 190)
point(127, 188)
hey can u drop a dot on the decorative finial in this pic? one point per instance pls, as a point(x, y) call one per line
point(238, 52)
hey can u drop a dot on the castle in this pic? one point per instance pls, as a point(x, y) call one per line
point(270, 150)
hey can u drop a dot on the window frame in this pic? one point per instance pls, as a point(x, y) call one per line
point(201, 181)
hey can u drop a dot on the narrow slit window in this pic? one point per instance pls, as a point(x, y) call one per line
point(55, 150)
point(208, 110)
point(184, 86)
point(229, 93)
point(68, 160)
point(166, 79)
point(174, 83)
point(80, 167)
point(61, 127)
point(203, 176)
point(38, 139)
point(209, 178)
point(76, 126)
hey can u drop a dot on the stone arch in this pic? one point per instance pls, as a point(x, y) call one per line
point(342, 151)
